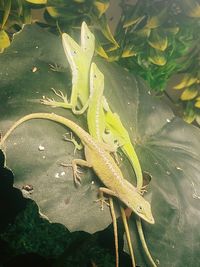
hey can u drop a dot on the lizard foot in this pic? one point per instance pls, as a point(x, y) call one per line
point(102, 201)
point(55, 67)
point(142, 190)
point(51, 102)
point(72, 139)
point(76, 172)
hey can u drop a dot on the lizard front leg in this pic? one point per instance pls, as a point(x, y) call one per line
point(77, 146)
point(51, 102)
point(76, 172)
point(64, 103)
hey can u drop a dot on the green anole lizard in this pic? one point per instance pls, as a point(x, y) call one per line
point(79, 58)
point(98, 158)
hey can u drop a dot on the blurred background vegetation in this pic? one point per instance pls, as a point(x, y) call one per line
point(155, 39)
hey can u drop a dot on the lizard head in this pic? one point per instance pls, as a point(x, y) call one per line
point(143, 210)
point(141, 207)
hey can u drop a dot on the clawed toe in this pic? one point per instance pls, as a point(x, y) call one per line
point(102, 201)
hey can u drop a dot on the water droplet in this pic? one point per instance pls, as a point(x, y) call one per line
point(34, 69)
point(41, 148)
point(57, 175)
point(157, 261)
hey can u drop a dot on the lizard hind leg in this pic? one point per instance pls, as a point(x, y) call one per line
point(77, 146)
point(102, 199)
point(114, 219)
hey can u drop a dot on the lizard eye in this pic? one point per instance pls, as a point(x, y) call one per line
point(139, 209)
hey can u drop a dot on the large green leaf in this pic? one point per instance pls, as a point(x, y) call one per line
point(168, 148)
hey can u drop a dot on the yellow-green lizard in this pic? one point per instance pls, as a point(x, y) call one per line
point(97, 122)
point(98, 158)
point(96, 125)
point(119, 133)
point(99, 118)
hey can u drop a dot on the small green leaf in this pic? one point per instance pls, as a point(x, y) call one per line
point(187, 80)
point(132, 21)
point(38, 2)
point(189, 118)
point(191, 8)
point(100, 50)
point(153, 22)
point(156, 20)
point(197, 104)
point(27, 17)
point(189, 113)
point(157, 57)
point(158, 40)
point(105, 29)
point(101, 7)
point(53, 12)
point(7, 6)
point(198, 119)
point(173, 30)
point(189, 93)
point(79, 1)
point(129, 51)
point(145, 32)
point(4, 40)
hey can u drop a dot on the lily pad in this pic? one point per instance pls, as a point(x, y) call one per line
point(168, 149)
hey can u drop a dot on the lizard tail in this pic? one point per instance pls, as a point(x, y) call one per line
point(48, 116)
